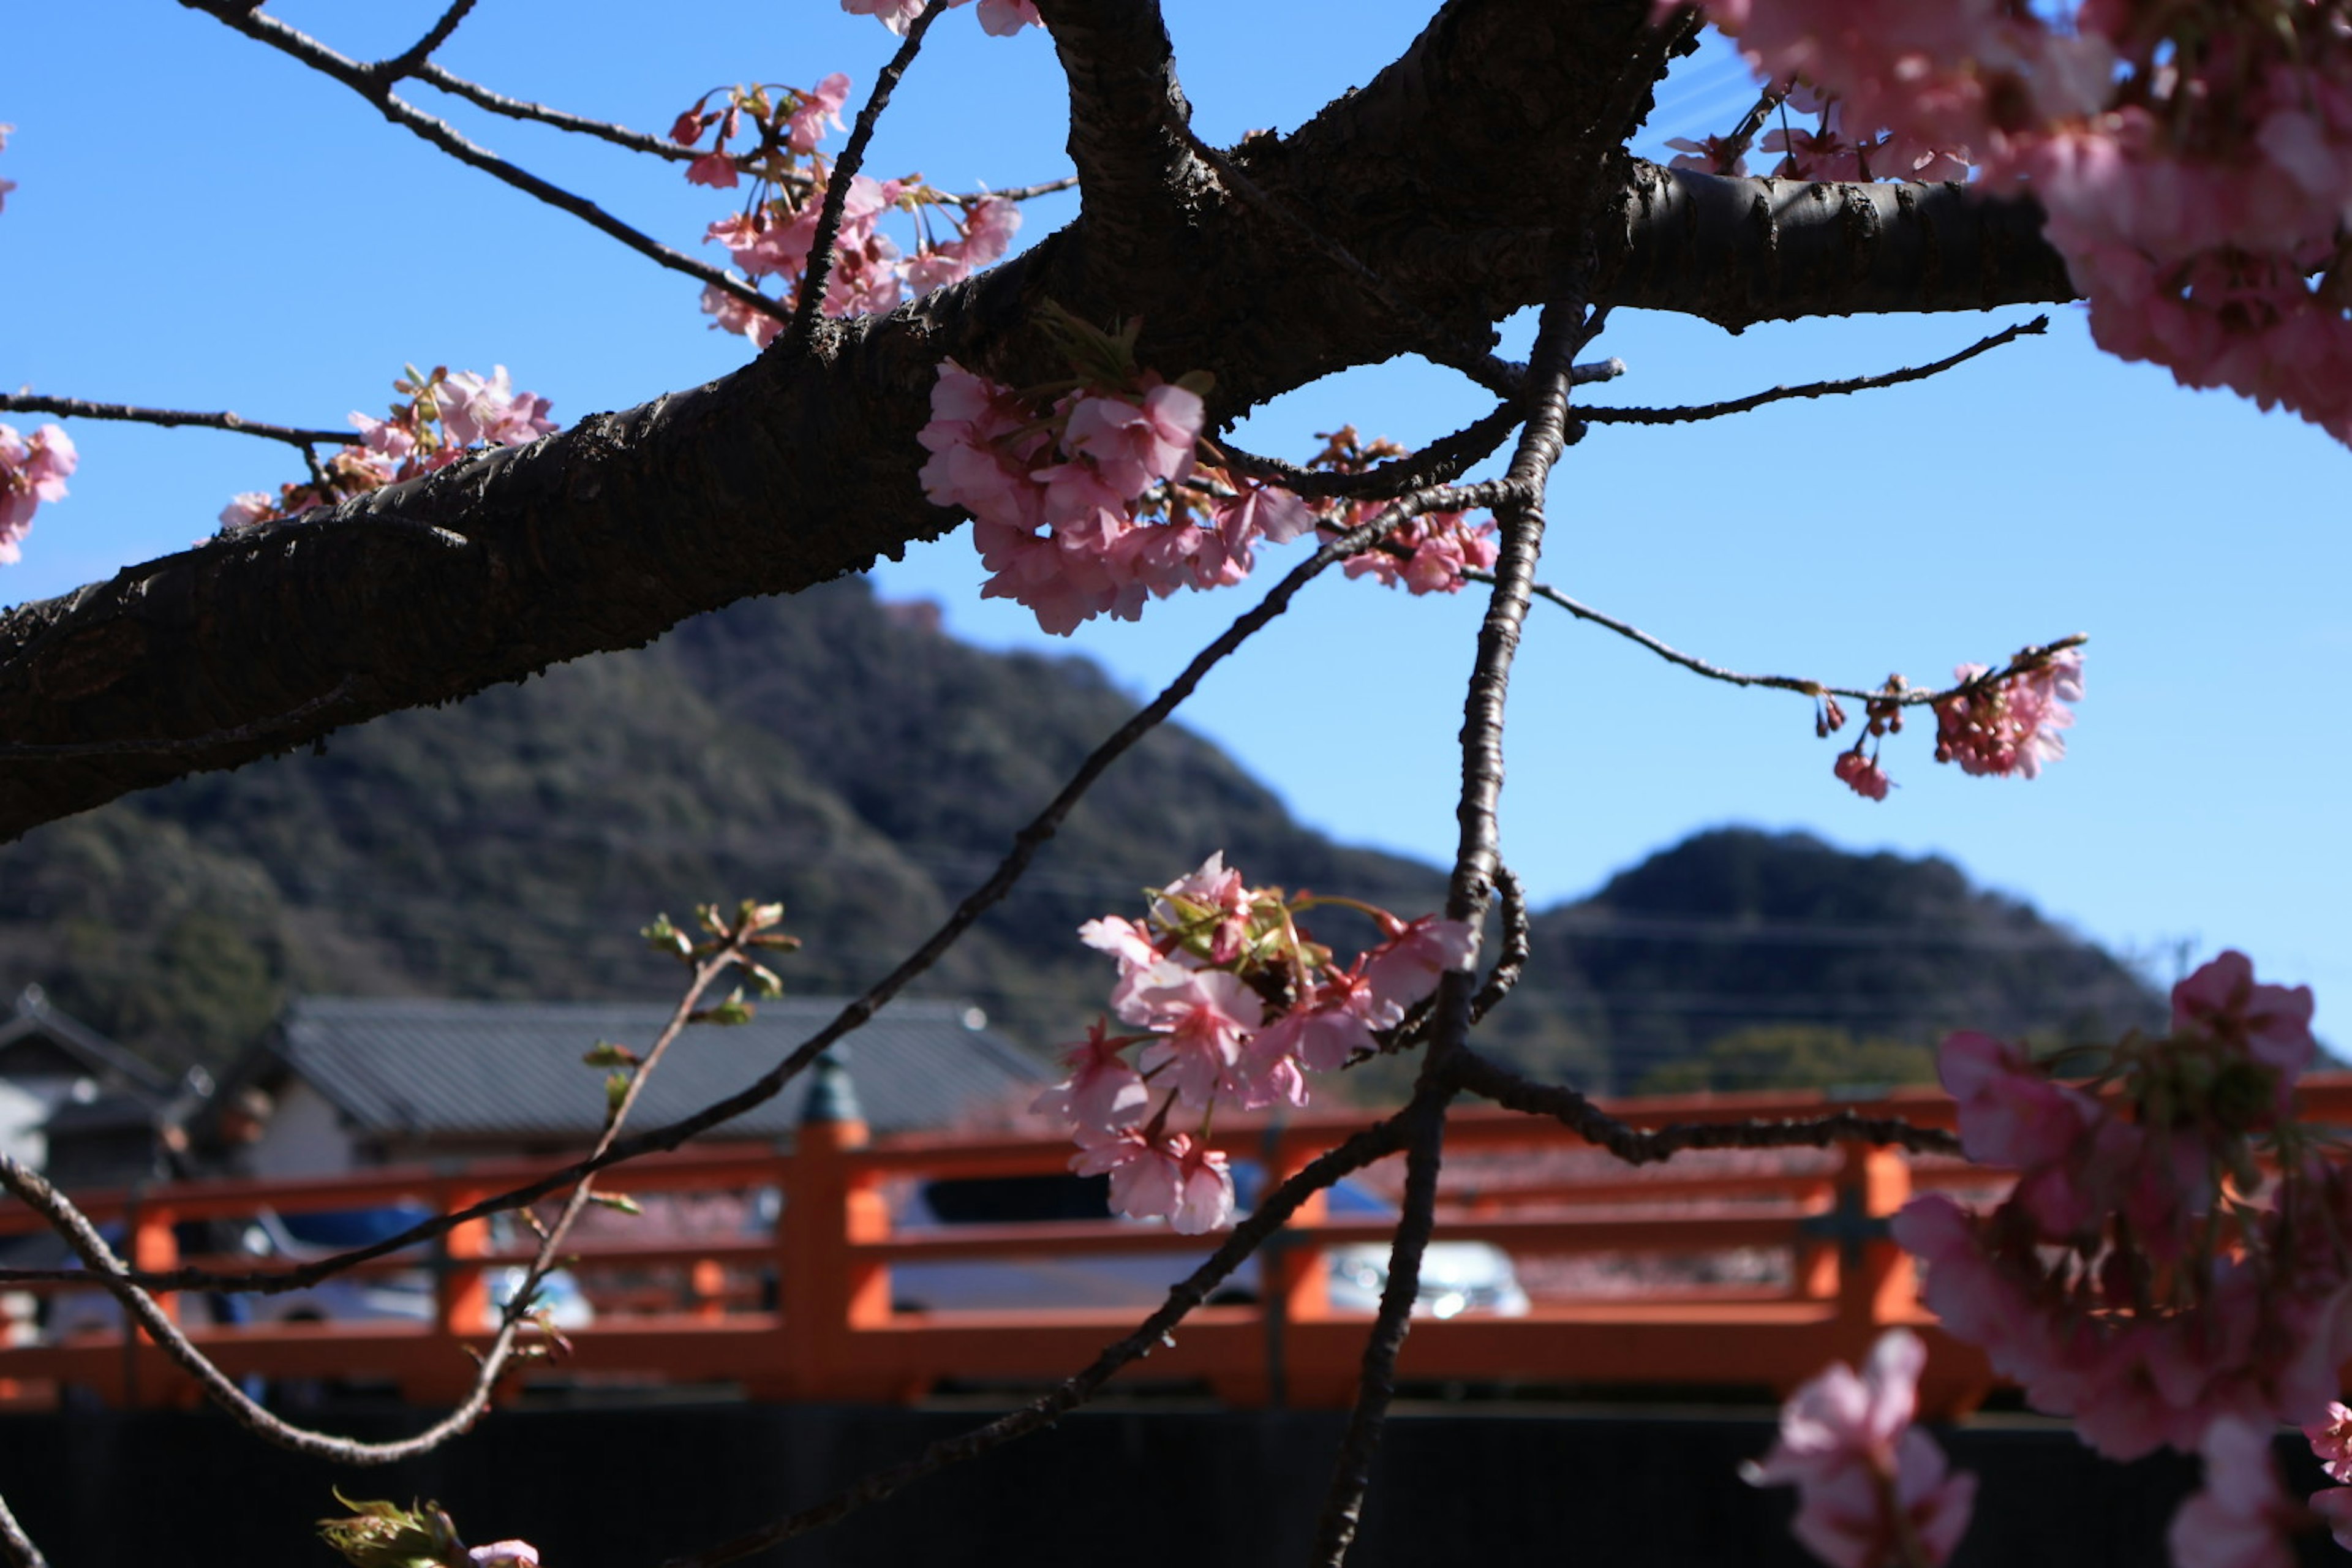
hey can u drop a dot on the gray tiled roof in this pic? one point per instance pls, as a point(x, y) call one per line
point(34, 1017)
point(437, 1069)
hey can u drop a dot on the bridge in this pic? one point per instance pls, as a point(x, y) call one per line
point(796, 1303)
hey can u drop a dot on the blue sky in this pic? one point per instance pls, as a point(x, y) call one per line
point(200, 223)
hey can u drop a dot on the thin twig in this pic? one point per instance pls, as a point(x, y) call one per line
point(406, 62)
point(481, 97)
point(2028, 659)
point(149, 748)
point(853, 1015)
point(1017, 192)
point(19, 1546)
point(301, 47)
point(1441, 462)
point(1565, 328)
point(844, 172)
point(1374, 1142)
point(1517, 941)
point(101, 1261)
point(1607, 416)
point(1489, 1080)
point(83, 409)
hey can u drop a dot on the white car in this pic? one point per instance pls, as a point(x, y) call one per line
point(1456, 1277)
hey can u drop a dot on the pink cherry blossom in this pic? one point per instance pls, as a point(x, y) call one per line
point(892, 14)
point(2241, 1517)
point(31, 471)
point(2331, 1439)
point(714, 169)
point(474, 408)
point(1002, 18)
point(1334, 1022)
point(1205, 1192)
point(247, 508)
point(1202, 1016)
point(1147, 1173)
point(1861, 774)
point(2333, 1508)
point(1866, 1481)
point(1103, 1090)
point(819, 107)
point(2011, 726)
point(2010, 1113)
point(386, 438)
point(2271, 1023)
point(1209, 892)
point(1135, 446)
point(1404, 969)
point(504, 1554)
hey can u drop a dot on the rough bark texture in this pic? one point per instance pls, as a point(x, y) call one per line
point(802, 465)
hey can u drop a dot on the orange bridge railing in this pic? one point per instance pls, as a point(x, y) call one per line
point(794, 1300)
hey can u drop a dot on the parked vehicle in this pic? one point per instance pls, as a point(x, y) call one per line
point(402, 1297)
point(1456, 1277)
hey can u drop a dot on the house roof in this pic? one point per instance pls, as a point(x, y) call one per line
point(460, 1069)
point(32, 1023)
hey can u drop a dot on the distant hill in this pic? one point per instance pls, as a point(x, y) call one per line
point(847, 757)
point(1735, 931)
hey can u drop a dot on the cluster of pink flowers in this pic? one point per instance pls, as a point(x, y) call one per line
point(2242, 1516)
point(31, 471)
point(1872, 1491)
point(1112, 471)
point(1132, 500)
point(441, 414)
point(772, 236)
point(1001, 17)
point(2000, 728)
point(2010, 727)
point(1426, 554)
point(1233, 1003)
point(2195, 158)
point(2142, 1276)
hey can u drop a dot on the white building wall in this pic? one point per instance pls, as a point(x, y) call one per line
point(306, 1137)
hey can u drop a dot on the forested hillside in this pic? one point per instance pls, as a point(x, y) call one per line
point(848, 758)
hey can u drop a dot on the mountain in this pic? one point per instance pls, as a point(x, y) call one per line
point(1735, 934)
point(849, 758)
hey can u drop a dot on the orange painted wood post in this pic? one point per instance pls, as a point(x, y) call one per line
point(440, 1370)
point(827, 1295)
point(1877, 1285)
point(1293, 1287)
point(706, 1284)
point(153, 1247)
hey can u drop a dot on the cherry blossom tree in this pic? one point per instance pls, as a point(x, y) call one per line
point(2186, 170)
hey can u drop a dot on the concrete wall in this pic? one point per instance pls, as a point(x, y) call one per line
point(628, 1488)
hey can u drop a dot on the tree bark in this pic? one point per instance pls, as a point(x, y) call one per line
point(1388, 219)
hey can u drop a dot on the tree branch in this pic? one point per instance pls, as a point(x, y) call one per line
point(83, 409)
point(1741, 250)
point(845, 172)
point(854, 1015)
point(1476, 863)
point(1607, 415)
point(798, 469)
point(1488, 1080)
point(376, 88)
point(1137, 172)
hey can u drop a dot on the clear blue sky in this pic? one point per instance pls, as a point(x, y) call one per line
point(200, 223)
